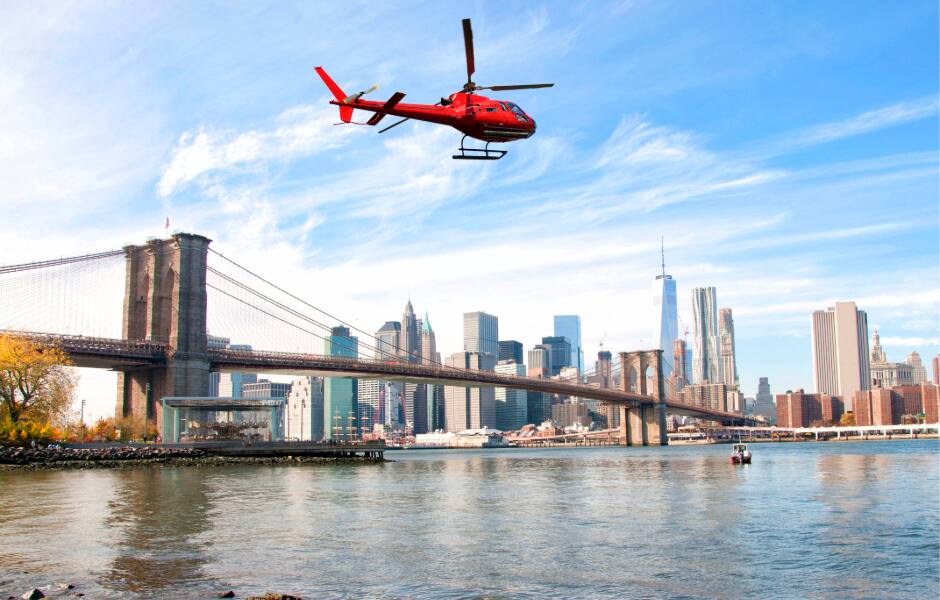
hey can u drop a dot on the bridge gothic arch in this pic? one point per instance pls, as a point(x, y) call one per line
point(644, 424)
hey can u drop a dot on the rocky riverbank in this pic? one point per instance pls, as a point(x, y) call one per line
point(131, 456)
point(67, 590)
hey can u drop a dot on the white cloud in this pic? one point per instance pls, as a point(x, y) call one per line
point(298, 132)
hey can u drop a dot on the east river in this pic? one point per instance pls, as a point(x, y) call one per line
point(805, 520)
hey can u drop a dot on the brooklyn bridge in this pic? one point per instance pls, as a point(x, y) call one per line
point(170, 290)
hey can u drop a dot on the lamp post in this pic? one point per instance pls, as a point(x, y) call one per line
point(82, 439)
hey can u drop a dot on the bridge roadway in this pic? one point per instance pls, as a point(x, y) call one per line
point(120, 354)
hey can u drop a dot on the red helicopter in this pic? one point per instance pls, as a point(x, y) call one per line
point(475, 116)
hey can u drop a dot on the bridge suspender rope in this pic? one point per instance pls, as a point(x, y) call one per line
point(312, 321)
point(378, 351)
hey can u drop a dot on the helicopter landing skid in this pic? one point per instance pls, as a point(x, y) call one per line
point(478, 153)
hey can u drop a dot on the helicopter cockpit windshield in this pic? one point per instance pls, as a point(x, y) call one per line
point(520, 115)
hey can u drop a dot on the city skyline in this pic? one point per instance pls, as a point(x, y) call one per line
point(775, 197)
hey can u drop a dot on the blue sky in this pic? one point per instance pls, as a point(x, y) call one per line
point(787, 152)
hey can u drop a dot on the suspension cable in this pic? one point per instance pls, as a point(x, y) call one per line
point(59, 261)
point(400, 350)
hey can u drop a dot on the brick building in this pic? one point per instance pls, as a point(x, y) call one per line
point(799, 409)
point(930, 396)
point(919, 399)
point(878, 406)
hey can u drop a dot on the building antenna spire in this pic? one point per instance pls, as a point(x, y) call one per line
point(662, 249)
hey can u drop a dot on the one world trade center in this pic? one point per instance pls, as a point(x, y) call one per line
point(665, 317)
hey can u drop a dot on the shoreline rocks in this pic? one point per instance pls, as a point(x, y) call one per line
point(127, 456)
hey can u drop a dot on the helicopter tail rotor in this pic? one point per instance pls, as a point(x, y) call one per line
point(355, 97)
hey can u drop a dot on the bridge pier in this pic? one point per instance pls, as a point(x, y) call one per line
point(165, 301)
point(645, 424)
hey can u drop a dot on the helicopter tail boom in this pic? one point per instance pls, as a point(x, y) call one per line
point(345, 112)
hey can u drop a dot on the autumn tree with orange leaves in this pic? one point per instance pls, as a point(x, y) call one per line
point(35, 382)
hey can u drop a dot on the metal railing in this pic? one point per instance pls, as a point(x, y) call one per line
point(392, 369)
point(106, 347)
point(244, 360)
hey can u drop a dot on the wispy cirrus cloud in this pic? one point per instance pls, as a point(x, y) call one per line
point(899, 113)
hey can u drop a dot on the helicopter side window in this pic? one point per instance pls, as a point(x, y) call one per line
point(503, 106)
point(490, 109)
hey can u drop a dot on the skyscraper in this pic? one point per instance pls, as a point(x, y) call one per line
point(560, 349)
point(540, 361)
point(706, 361)
point(388, 341)
point(410, 340)
point(481, 333)
point(538, 406)
point(729, 366)
point(371, 403)
point(840, 352)
point(414, 394)
point(305, 409)
point(231, 384)
point(433, 394)
point(429, 353)
point(511, 404)
point(604, 367)
point(569, 326)
point(510, 350)
point(679, 378)
point(665, 317)
point(470, 407)
point(340, 402)
point(918, 372)
point(265, 388)
point(764, 402)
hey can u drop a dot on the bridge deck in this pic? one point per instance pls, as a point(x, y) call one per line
point(119, 354)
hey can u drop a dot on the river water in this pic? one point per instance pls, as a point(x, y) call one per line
point(826, 520)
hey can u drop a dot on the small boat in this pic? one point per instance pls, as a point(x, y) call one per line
point(740, 455)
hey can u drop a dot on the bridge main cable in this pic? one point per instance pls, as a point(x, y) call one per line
point(56, 262)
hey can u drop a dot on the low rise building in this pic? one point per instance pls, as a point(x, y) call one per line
point(715, 396)
point(469, 438)
point(571, 414)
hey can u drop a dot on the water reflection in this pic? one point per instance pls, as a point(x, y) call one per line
point(155, 520)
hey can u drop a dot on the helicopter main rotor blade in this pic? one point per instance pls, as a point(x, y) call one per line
point(528, 86)
point(395, 124)
point(468, 46)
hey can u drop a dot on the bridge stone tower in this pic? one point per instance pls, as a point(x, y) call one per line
point(645, 424)
point(165, 301)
